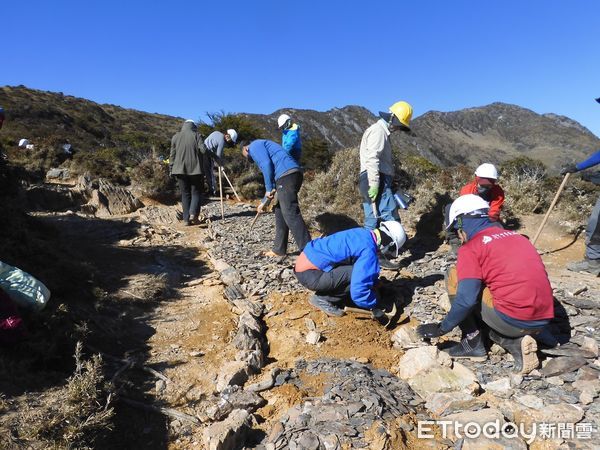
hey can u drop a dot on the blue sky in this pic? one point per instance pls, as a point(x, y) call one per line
point(187, 58)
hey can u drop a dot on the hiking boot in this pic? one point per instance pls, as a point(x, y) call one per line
point(522, 349)
point(472, 349)
point(587, 265)
point(326, 306)
point(387, 264)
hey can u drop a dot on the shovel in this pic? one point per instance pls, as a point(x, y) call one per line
point(267, 203)
point(560, 189)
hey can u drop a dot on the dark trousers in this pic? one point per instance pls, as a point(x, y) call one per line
point(191, 190)
point(287, 214)
point(334, 286)
point(208, 168)
point(483, 312)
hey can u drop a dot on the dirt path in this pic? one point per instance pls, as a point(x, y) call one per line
point(165, 306)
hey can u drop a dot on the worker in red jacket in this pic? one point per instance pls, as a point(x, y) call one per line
point(485, 185)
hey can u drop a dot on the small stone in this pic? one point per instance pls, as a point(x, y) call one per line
point(232, 373)
point(195, 354)
point(313, 337)
point(531, 401)
point(405, 336)
point(228, 434)
point(516, 379)
point(561, 365)
point(586, 397)
point(500, 387)
point(591, 345)
point(362, 360)
point(555, 381)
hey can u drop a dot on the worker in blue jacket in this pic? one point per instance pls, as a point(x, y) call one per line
point(591, 261)
point(282, 174)
point(344, 266)
point(290, 136)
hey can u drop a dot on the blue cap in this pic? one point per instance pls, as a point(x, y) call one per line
point(598, 100)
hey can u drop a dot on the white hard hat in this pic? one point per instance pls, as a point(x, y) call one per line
point(232, 134)
point(395, 231)
point(191, 120)
point(487, 170)
point(23, 142)
point(467, 204)
point(282, 119)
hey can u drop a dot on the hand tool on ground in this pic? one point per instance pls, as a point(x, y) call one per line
point(221, 193)
point(375, 212)
point(230, 185)
point(381, 316)
point(265, 205)
point(560, 189)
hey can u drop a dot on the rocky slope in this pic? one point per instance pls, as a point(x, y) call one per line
point(494, 133)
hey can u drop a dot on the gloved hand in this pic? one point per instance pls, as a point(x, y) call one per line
point(569, 168)
point(373, 191)
point(430, 330)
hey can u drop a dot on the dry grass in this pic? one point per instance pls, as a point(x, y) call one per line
point(335, 190)
point(72, 416)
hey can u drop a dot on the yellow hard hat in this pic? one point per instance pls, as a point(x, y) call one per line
point(403, 112)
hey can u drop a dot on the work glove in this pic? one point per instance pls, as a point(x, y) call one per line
point(373, 191)
point(569, 168)
point(430, 330)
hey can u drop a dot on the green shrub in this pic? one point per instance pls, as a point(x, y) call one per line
point(315, 154)
point(102, 163)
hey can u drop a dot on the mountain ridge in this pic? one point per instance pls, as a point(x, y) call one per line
point(492, 133)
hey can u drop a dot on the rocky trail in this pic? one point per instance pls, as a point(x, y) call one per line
point(216, 347)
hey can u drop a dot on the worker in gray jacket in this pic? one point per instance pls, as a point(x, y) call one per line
point(215, 144)
point(376, 164)
point(185, 163)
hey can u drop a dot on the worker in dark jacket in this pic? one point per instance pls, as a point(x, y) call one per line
point(1, 116)
point(345, 266)
point(500, 279)
point(282, 174)
point(185, 163)
point(215, 145)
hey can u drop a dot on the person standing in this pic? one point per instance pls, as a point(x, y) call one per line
point(290, 136)
point(282, 174)
point(2, 117)
point(185, 163)
point(376, 164)
point(215, 144)
point(591, 260)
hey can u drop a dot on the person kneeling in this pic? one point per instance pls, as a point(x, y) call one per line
point(345, 266)
point(500, 281)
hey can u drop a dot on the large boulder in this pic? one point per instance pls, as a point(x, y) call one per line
point(444, 379)
point(421, 359)
point(229, 434)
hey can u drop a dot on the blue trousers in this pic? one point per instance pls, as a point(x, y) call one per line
point(386, 205)
point(592, 241)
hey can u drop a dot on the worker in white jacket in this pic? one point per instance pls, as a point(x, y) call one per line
point(376, 164)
